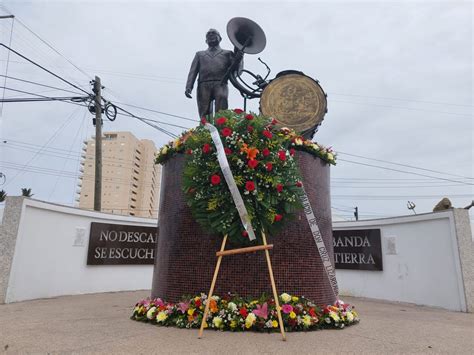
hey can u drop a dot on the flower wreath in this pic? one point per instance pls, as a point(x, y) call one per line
point(264, 169)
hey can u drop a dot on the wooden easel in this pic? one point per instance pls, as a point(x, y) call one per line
point(222, 253)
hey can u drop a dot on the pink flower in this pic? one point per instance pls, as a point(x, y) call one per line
point(287, 308)
point(261, 311)
point(183, 307)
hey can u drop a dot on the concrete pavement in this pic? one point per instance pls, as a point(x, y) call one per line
point(100, 323)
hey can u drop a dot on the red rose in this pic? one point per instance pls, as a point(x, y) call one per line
point(282, 155)
point(245, 234)
point(250, 129)
point(206, 148)
point(279, 187)
point(252, 163)
point(250, 186)
point(227, 151)
point(267, 134)
point(278, 217)
point(198, 303)
point(238, 111)
point(203, 120)
point(312, 313)
point(226, 132)
point(299, 184)
point(266, 152)
point(189, 151)
point(221, 120)
point(215, 179)
point(243, 312)
point(249, 117)
point(269, 166)
point(292, 151)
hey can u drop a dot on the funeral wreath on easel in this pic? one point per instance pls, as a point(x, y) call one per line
point(261, 160)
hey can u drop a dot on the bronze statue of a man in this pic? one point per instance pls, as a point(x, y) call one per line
point(211, 65)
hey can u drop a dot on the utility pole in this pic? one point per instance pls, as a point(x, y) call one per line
point(356, 213)
point(98, 144)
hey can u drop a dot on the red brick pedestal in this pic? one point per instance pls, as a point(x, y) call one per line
point(186, 256)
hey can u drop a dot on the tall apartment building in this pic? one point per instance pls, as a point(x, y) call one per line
point(130, 179)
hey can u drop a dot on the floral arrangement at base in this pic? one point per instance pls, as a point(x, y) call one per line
point(235, 313)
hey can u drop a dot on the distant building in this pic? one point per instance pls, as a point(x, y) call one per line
point(130, 179)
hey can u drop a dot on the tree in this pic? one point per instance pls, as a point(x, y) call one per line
point(26, 192)
point(3, 195)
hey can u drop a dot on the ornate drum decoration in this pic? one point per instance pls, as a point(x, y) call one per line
point(296, 101)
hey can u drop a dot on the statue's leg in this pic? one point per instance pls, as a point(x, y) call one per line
point(204, 94)
point(221, 93)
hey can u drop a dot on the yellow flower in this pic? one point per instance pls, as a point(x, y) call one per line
point(217, 321)
point(292, 315)
point(294, 299)
point(307, 320)
point(177, 142)
point(349, 316)
point(191, 311)
point(285, 297)
point(164, 150)
point(315, 146)
point(334, 316)
point(233, 324)
point(250, 320)
point(161, 316)
point(298, 141)
point(330, 156)
point(274, 323)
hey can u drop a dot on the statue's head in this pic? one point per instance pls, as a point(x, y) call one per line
point(213, 37)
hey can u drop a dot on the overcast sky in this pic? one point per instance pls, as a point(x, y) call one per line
point(399, 78)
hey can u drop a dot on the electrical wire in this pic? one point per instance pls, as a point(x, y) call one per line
point(6, 69)
point(404, 165)
point(43, 68)
point(39, 84)
point(405, 172)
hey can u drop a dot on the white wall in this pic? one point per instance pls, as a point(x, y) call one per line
point(46, 264)
point(425, 270)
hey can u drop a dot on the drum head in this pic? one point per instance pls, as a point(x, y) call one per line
point(296, 101)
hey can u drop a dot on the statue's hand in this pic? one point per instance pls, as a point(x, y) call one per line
point(188, 94)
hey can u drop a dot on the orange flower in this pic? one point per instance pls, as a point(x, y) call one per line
point(213, 306)
point(251, 152)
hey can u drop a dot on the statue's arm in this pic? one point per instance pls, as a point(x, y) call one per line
point(193, 72)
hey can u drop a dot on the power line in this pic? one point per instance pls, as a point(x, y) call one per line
point(405, 172)
point(404, 165)
point(6, 69)
point(48, 44)
point(43, 68)
point(38, 84)
point(160, 112)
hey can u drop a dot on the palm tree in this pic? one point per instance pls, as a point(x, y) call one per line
point(3, 195)
point(26, 192)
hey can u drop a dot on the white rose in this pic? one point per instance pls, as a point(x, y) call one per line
point(217, 321)
point(232, 306)
point(150, 312)
point(285, 297)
